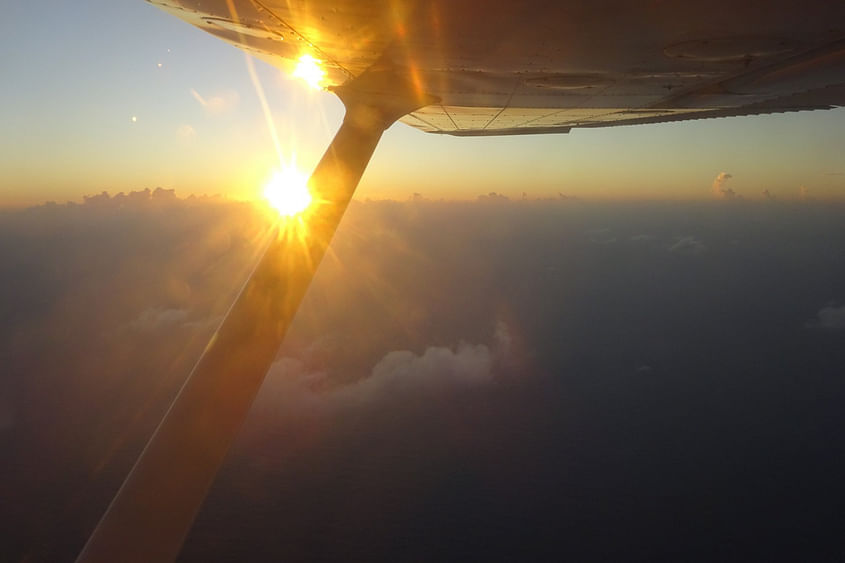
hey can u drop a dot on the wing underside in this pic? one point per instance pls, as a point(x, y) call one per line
point(532, 66)
point(479, 122)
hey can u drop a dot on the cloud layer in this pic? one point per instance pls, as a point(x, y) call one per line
point(488, 373)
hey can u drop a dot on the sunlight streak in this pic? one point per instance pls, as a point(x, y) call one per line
point(268, 117)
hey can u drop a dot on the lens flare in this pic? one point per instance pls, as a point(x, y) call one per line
point(309, 70)
point(287, 191)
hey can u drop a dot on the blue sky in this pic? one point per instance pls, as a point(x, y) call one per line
point(75, 74)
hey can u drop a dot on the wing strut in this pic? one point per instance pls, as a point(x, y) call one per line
point(155, 507)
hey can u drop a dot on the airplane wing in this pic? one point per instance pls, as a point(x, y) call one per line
point(539, 66)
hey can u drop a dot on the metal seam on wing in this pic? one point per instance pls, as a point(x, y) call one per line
point(325, 56)
point(418, 118)
point(454, 123)
point(507, 104)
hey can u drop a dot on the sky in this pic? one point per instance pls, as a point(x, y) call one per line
point(119, 96)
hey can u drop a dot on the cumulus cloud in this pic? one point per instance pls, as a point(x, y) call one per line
point(768, 195)
point(399, 375)
point(219, 103)
point(720, 190)
point(830, 317)
point(688, 245)
point(186, 131)
point(405, 372)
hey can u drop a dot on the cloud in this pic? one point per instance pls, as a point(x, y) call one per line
point(186, 131)
point(219, 103)
point(601, 236)
point(405, 372)
point(829, 317)
point(768, 195)
point(493, 197)
point(400, 375)
point(803, 193)
point(719, 189)
point(136, 199)
point(642, 238)
point(688, 245)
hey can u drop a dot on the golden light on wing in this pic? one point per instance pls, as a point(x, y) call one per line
point(309, 70)
point(287, 191)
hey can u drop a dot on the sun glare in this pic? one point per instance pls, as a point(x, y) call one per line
point(287, 191)
point(308, 69)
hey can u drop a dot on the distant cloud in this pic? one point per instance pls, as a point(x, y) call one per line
point(829, 317)
point(768, 195)
point(135, 198)
point(642, 238)
point(601, 236)
point(156, 318)
point(688, 245)
point(719, 189)
point(803, 193)
point(493, 197)
point(217, 104)
point(186, 131)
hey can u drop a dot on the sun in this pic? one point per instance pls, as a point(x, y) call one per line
point(287, 191)
point(308, 69)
